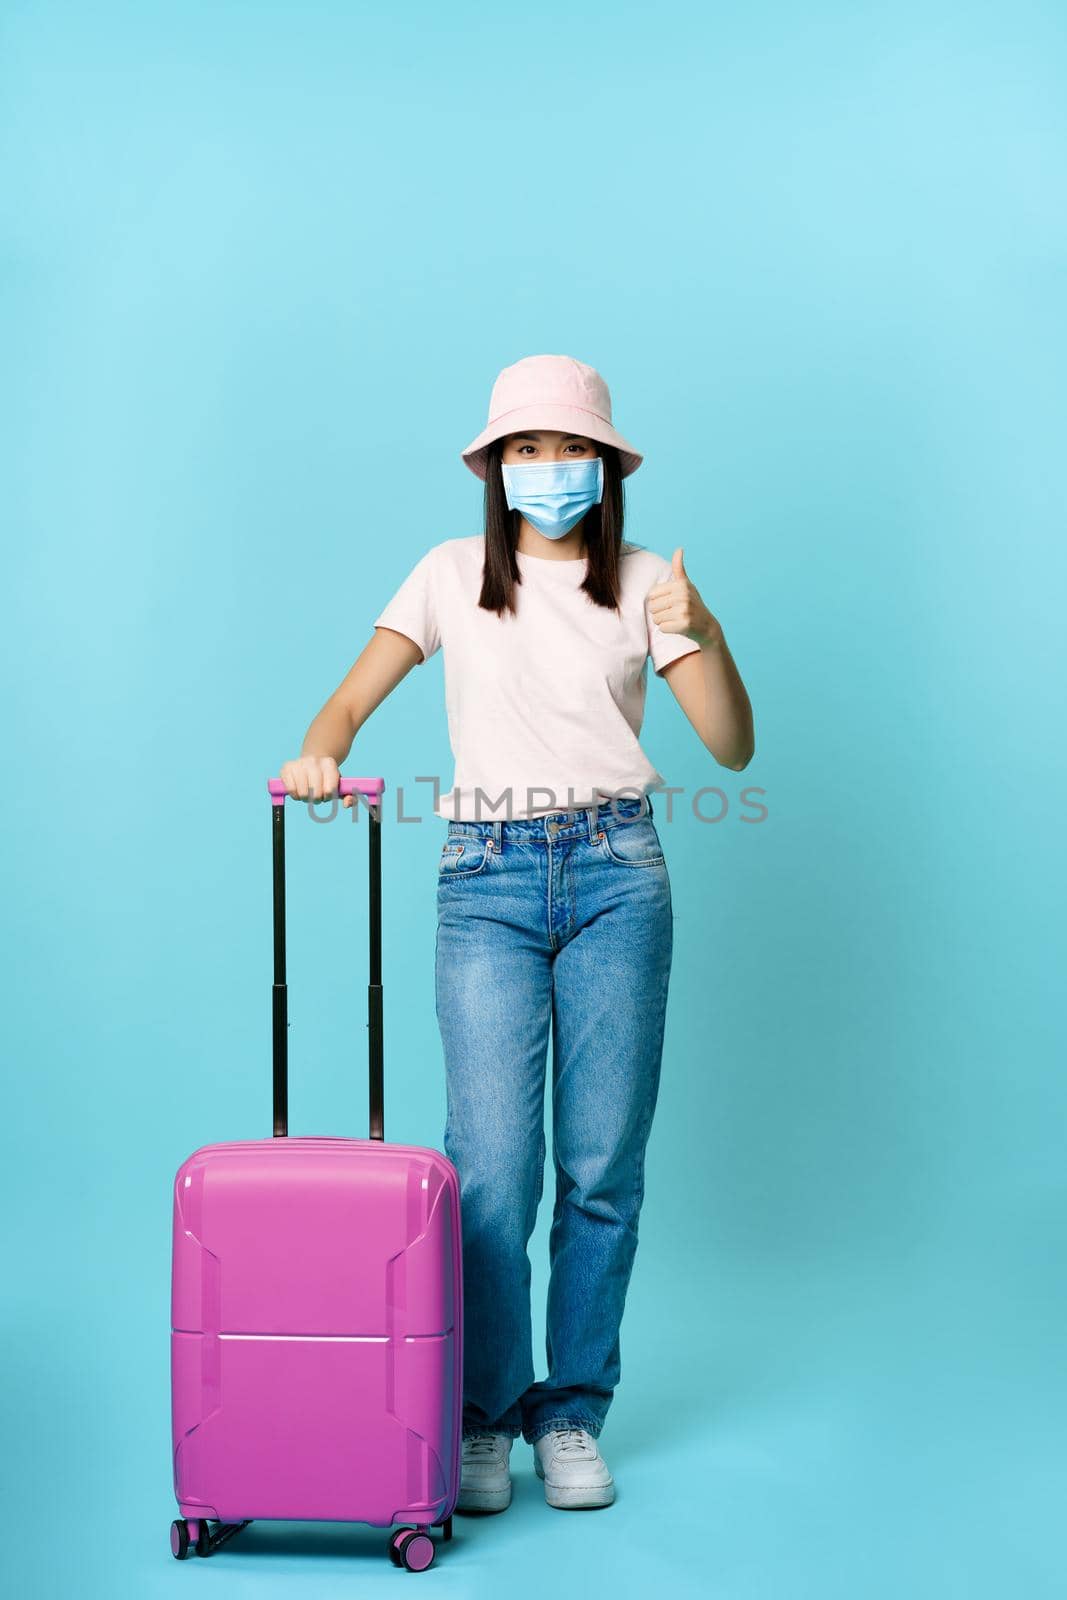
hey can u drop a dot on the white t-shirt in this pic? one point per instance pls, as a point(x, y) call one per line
point(544, 706)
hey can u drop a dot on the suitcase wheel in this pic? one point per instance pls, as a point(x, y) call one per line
point(411, 1548)
point(187, 1535)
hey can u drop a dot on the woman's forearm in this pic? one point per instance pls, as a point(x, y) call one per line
point(387, 657)
point(331, 733)
point(710, 689)
point(728, 723)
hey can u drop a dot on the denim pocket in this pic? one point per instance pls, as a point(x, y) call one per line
point(462, 858)
point(633, 844)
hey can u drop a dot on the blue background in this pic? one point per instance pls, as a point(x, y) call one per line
point(261, 263)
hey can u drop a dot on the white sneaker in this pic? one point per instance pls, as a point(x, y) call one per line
point(575, 1473)
point(485, 1481)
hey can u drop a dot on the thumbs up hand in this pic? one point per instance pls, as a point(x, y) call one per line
point(676, 607)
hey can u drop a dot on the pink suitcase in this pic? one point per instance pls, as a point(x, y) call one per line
point(317, 1318)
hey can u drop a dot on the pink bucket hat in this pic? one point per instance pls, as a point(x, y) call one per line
point(554, 392)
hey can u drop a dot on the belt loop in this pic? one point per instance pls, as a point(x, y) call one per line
point(498, 830)
point(590, 819)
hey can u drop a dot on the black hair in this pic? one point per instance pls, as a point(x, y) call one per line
point(601, 526)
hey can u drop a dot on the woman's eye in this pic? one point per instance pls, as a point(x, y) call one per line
point(581, 448)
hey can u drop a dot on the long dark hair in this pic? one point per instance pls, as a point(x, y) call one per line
point(601, 526)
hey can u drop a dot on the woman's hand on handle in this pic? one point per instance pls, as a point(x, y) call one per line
point(313, 778)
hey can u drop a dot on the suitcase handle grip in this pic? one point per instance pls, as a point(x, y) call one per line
point(371, 787)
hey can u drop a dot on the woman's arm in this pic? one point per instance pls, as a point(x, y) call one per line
point(386, 659)
point(706, 682)
point(708, 687)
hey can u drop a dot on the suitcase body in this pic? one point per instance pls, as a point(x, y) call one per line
point(316, 1331)
point(315, 1343)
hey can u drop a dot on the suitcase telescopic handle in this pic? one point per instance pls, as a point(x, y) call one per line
point(371, 789)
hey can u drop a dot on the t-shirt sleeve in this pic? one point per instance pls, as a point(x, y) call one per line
point(413, 608)
point(665, 647)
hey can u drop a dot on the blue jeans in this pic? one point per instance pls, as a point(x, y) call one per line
point(565, 918)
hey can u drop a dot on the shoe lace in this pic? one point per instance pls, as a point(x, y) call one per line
point(481, 1444)
point(571, 1439)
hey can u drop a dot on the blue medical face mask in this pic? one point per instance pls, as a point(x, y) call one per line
point(554, 495)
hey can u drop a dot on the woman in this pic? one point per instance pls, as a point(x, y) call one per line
point(553, 898)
